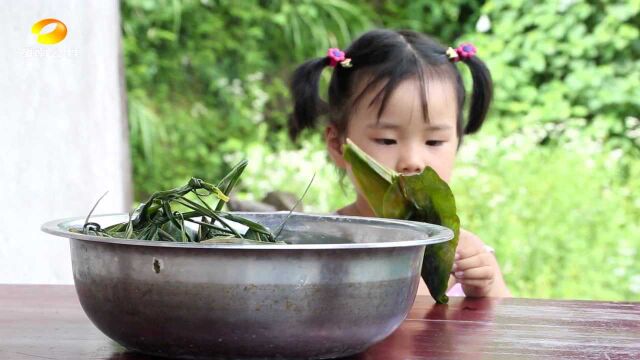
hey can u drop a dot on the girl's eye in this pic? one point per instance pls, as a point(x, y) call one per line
point(385, 141)
point(434, 142)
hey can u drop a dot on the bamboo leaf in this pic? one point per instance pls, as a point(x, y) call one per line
point(159, 219)
point(424, 197)
point(372, 178)
point(230, 180)
point(434, 203)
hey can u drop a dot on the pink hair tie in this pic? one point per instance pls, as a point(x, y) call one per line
point(336, 56)
point(463, 51)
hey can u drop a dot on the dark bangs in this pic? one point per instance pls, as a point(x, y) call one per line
point(393, 77)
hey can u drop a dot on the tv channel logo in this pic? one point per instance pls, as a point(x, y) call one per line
point(57, 35)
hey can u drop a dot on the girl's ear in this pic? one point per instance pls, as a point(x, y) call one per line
point(334, 146)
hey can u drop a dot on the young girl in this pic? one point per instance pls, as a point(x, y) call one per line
point(399, 96)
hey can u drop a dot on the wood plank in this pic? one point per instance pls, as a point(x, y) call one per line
point(47, 322)
point(510, 328)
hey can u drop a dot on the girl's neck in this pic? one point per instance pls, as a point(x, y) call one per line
point(359, 208)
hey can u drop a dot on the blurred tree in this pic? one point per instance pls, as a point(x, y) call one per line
point(569, 64)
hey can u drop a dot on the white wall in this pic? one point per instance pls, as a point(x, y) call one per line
point(63, 134)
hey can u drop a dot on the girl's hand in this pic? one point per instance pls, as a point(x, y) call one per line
point(476, 269)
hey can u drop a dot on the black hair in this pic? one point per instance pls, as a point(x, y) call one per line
point(386, 57)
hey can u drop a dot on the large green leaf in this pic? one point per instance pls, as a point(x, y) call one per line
point(434, 203)
point(423, 197)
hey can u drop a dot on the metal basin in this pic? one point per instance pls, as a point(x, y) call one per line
point(340, 286)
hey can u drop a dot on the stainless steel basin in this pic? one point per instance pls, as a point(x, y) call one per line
point(339, 286)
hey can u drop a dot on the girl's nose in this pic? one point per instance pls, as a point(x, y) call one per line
point(411, 170)
point(410, 164)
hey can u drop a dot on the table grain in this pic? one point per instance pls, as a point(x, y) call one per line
point(47, 322)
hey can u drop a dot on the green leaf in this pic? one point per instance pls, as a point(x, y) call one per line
point(434, 203)
point(230, 180)
point(424, 197)
point(373, 178)
point(394, 205)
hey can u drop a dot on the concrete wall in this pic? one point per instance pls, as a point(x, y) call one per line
point(63, 133)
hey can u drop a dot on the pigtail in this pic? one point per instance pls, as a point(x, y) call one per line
point(307, 105)
point(481, 95)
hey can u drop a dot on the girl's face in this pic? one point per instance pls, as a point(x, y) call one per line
point(402, 140)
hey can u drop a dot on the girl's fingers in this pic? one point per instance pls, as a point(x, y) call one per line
point(463, 252)
point(480, 260)
point(479, 273)
point(477, 286)
point(469, 244)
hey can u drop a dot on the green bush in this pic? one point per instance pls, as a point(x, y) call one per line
point(549, 182)
point(568, 61)
point(562, 218)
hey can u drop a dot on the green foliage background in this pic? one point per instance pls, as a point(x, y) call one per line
point(551, 182)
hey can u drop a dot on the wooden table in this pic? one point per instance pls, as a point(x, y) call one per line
point(47, 322)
